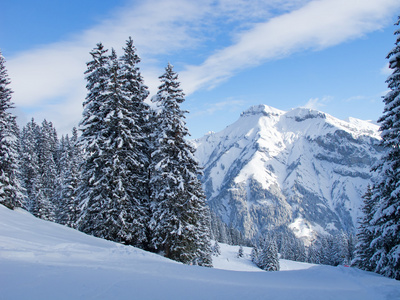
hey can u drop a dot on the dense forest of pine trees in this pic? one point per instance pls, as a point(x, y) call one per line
point(131, 176)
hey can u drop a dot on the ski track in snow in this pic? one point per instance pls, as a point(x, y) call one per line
point(44, 260)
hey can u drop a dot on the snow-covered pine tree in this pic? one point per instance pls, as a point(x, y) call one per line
point(180, 216)
point(240, 252)
point(47, 179)
point(217, 228)
point(39, 174)
point(352, 241)
point(90, 188)
point(216, 249)
point(268, 258)
point(29, 160)
point(342, 247)
point(93, 185)
point(7, 137)
point(63, 168)
point(133, 85)
point(289, 246)
point(312, 254)
point(330, 250)
point(110, 200)
point(223, 233)
point(39, 170)
point(364, 252)
point(70, 160)
point(42, 208)
point(317, 251)
point(255, 252)
point(385, 223)
point(299, 250)
point(132, 81)
point(10, 186)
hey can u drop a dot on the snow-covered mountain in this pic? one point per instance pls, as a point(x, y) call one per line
point(303, 168)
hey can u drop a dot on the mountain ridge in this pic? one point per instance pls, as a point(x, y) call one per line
point(303, 169)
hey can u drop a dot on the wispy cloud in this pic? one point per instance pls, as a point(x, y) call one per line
point(357, 98)
point(318, 103)
point(52, 75)
point(227, 105)
point(157, 26)
point(316, 25)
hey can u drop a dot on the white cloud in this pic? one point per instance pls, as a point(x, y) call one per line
point(156, 26)
point(316, 25)
point(227, 105)
point(51, 76)
point(317, 103)
point(356, 98)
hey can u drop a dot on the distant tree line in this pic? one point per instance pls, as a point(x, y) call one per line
point(223, 233)
point(326, 249)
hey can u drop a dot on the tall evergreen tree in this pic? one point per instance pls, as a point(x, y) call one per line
point(92, 187)
point(70, 160)
point(48, 171)
point(137, 92)
point(41, 177)
point(313, 254)
point(385, 223)
point(109, 192)
point(268, 258)
point(63, 167)
point(255, 252)
point(240, 252)
point(29, 160)
point(10, 187)
point(364, 252)
point(180, 217)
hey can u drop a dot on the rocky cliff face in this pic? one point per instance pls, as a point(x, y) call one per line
point(303, 169)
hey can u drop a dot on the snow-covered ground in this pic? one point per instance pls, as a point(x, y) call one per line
point(43, 260)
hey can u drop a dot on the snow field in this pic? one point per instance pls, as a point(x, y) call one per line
point(44, 260)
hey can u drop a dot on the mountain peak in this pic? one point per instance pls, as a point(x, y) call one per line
point(272, 168)
point(262, 110)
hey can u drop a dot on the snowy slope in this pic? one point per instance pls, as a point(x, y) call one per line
point(43, 260)
point(303, 168)
point(229, 260)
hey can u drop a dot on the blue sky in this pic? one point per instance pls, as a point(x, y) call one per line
point(230, 54)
